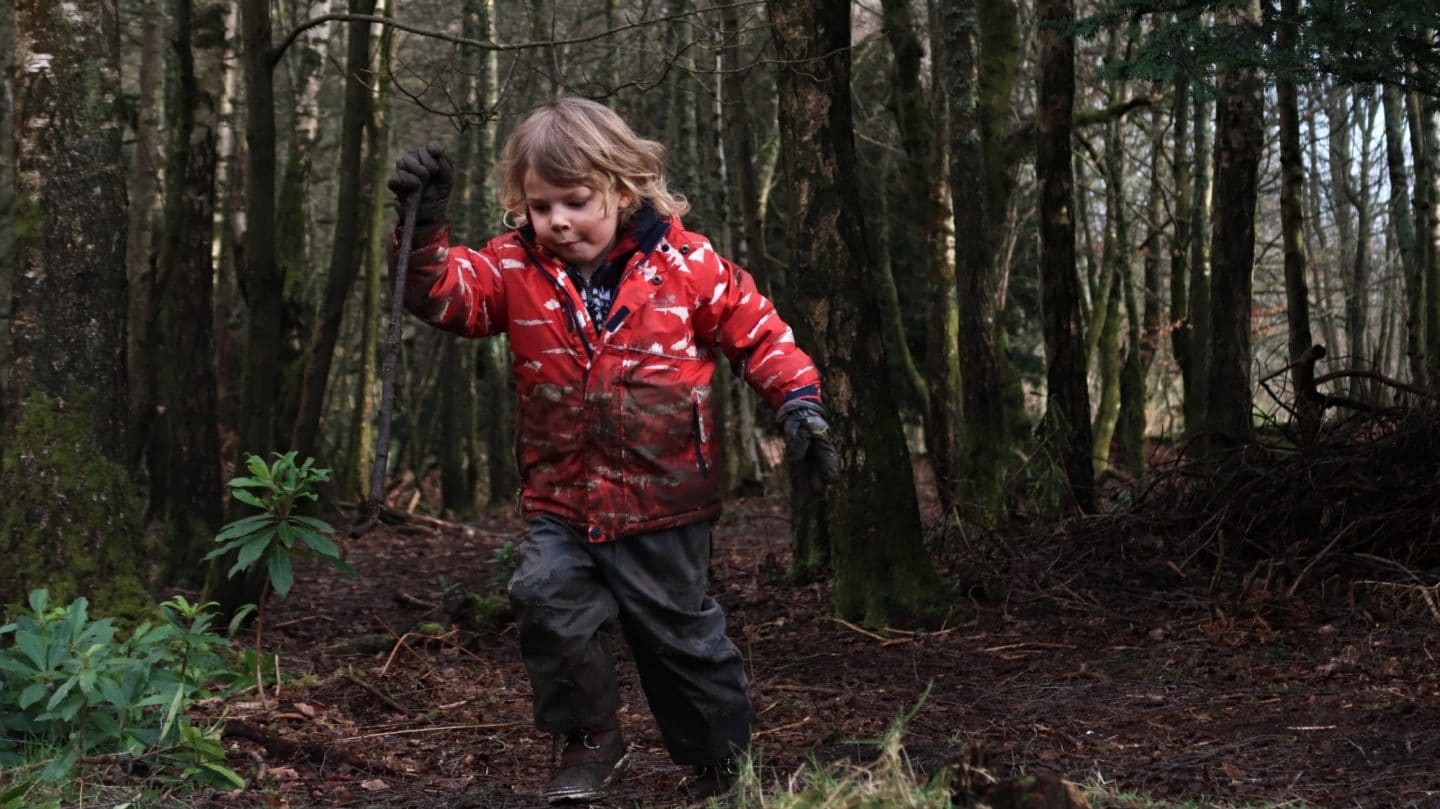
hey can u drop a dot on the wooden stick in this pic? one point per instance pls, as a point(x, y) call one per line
point(371, 510)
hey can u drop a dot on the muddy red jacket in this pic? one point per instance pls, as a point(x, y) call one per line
point(614, 429)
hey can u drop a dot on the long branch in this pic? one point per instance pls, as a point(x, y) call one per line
point(486, 45)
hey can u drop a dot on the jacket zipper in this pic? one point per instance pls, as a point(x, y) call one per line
point(698, 424)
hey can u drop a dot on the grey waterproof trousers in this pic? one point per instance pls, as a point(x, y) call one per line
point(566, 588)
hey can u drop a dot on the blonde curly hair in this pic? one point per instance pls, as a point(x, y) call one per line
point(576, 141)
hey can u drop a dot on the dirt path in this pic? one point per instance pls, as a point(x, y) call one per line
point(1124, 677)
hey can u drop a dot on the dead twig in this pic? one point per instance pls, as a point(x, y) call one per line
point(317, 754)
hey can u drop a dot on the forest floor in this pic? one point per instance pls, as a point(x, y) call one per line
point(1128, 673)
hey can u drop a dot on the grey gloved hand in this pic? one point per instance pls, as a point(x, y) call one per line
point(429, 172)
point(807, 436)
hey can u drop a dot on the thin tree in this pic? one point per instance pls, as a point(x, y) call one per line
point(1292, 222)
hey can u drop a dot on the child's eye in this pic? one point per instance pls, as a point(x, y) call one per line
point(539, 208)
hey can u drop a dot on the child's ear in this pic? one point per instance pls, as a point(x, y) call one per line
point(623, 200)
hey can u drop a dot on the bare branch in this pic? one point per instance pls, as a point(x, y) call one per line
point(280, 49)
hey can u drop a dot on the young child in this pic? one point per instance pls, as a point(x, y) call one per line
point(613, 309)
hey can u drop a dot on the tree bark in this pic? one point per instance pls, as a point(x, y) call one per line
point(926, 192)
point(261, 280)
point(983, 445)
point(1199, 291)
point(294, 243)
point(1182, 332)
point(69, 517)
point(1068, 400)
point(186, 495)
point(345, 249)
point(1292, 223)
point(1239, 139)
point(143, 197)
point(1402, 224)
point(880, 570)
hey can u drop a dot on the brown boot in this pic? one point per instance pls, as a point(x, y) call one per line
point(590, 761)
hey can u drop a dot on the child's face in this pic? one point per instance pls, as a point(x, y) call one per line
point(575, 222)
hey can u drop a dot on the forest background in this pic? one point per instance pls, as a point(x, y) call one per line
point(1035, 247)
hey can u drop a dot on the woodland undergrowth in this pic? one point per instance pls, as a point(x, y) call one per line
point(1348, 515)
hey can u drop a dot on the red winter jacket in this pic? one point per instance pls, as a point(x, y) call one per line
point(614, 425)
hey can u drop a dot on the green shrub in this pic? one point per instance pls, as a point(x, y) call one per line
point(70, 691)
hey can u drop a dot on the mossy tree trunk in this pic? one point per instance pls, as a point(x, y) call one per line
point(926, 192)
point(186, 495)
point(69, 518)
point(880, 570)
point(355, 477)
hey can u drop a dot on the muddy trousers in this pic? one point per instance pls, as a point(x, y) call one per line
point(566, 588)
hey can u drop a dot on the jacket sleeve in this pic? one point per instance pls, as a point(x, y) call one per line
point(732, 314)
point(453, 288)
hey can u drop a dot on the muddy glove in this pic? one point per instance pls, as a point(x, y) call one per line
point(426, 171)
point(807, 436)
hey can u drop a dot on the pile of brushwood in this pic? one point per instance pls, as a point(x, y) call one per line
point(1352, 509)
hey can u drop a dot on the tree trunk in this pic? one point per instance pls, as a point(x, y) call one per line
point(378, 165)
point(1425, 148)
point(186, 495)
point(1182, 332)
point(1239, 139)
point(1402, 224)
point(1068, 403)
point(143, 196)
point(1358, 296)
point(881, 573)
point(261, 279)
point(7, 196)
point(69, 519)
point(926, 192)
point(345, 249)
point(983, 446)
point(1199, 291)
point(1115, 253)
point(1292, 223)
point(738, 139)
point(294, 250)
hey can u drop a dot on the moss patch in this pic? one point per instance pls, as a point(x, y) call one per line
point(69, 520)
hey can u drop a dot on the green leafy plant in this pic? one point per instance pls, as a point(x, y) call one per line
point(277, 533)
point(505, 558)
point(71, 691)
